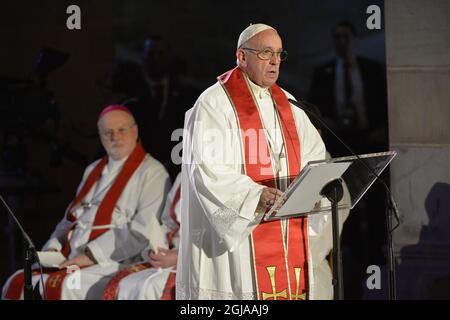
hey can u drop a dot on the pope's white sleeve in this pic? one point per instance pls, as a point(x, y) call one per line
point(229, 198)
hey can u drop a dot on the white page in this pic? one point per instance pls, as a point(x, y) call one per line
point(305, 192)
point(51, 259)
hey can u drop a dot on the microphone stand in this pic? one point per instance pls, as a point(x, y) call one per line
point(333, 191)
point(29, 253)
point(391, 207)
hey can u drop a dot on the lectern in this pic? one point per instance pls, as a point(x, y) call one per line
point(318, 189)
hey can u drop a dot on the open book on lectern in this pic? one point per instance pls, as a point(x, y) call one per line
point(302, 196)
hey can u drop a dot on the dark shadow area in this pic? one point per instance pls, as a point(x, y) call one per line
point(423, 270)
point(350, 92)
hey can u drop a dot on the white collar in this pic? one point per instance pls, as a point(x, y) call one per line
point(114, 165)
point(258, 91)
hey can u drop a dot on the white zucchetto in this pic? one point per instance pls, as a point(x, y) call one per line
point(251, 31)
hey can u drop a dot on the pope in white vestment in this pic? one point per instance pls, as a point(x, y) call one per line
point(129, 187)
point(221, 204)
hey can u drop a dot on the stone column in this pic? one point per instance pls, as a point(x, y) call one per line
point(418, 71)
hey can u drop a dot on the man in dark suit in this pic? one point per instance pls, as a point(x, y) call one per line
point(158, 98)
point(169, 98)
point(350, 91)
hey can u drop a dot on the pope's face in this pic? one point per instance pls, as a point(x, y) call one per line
point(262, 72)
point(118, 133)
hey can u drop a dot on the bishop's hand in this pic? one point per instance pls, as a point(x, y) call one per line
point(82, 260)
point(164, 258)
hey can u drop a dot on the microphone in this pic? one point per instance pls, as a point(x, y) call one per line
point(30, 252)
point(304, 106)
point(391, 205)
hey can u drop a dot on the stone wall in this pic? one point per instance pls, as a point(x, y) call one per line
point(418, 65)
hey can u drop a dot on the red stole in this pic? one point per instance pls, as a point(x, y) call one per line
point(102, 217)
point(110, 292)
point(111, 289)
point(106, 208)
point(16, 285)
point(280, 269)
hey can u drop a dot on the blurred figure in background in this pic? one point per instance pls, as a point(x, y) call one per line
point(350, 91)
point(170, 98)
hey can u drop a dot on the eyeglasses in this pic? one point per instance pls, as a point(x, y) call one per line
point(267, 54)
point(109, 133)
